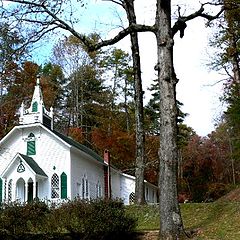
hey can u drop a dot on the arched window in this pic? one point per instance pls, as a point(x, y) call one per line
point(63, 185)
point(85, 192)
point(35, 107)
point(55, 186)
point(146, 193)
point(31, 147)
point(132, 198)
point(10, 190)
point(98, 190)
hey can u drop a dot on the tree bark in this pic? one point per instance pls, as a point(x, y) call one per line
point(139, 118)
point(233, 39)
point(170, 218)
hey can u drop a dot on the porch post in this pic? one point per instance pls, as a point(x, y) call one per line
point(34, 189)
point(14, 191)
point(26, 192)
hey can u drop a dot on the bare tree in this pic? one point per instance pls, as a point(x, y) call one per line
point(139, 118)
point(47, 16)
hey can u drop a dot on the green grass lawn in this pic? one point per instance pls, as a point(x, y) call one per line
point(218, 220)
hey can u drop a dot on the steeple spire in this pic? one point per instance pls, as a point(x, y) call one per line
point(38, 80)
point(37, 113)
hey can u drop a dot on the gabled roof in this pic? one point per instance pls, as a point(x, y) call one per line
point(32, 164)
point(70, 142)
point(79, 146)
point(29, 162)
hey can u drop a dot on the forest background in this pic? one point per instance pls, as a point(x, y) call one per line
point(93, 99)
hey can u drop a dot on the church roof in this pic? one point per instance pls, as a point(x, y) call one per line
point(35, 167)
point(79, 146)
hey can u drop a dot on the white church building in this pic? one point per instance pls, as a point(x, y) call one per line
point(38, 162)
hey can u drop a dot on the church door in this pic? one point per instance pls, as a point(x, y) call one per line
point(30, 191)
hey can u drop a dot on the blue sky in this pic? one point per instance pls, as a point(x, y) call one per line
point(191, 55)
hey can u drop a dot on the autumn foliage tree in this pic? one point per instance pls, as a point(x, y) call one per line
point(207, 166)
point(53, 16)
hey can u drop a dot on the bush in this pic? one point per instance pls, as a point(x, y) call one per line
point(216, 190)
point(18, 218)
point(109, 219)
point(98, 219)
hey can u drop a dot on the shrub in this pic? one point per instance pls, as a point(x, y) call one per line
point(98, 219)
point(216, 190)
point(18, 218)
point(109, 220)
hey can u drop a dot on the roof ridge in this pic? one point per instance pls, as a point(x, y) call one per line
point(78, 145)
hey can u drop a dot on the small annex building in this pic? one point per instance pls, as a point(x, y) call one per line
point(38, 162)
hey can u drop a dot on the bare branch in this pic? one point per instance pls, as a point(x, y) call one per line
point(180, 24)
point(120, 3)
point(42, 7)
point(216, 83)
point(122, 34)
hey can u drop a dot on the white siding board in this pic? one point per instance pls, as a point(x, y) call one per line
point(127, 186)
point(115, 183)
point(82, 164)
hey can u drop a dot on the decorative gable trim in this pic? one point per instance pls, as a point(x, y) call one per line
point(25, 161)
point(33, 165)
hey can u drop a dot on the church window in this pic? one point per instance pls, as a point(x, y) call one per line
point(99, 190)
point(55, 186)
point(1, 189)
point(131, 198)
point(10, 190)
point(20, 167)
point(63, 185)
point(31, 146)
point(78, 189)
point(147, 193)
point(35, 107)
point(85, 187)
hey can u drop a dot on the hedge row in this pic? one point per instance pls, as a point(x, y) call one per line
point(99, 219)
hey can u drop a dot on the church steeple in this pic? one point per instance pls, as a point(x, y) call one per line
point(37, 113)
point(37, 99)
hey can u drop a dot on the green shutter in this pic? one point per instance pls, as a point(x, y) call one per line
point(35, 107)
point(31, 150)
point(1, 188)
point(63, 185)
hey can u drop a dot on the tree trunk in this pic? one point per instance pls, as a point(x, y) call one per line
point(127, 117)
point(140, 135)
point(170, 218)
point(233, 39)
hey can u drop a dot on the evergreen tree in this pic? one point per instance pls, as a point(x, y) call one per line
point(52, 83)
point(227, 44)
point(11, 55)
point(120, 77)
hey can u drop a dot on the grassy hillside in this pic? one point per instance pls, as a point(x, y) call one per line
point(219, 220)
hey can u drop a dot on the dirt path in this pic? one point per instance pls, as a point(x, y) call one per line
point(148, 235)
